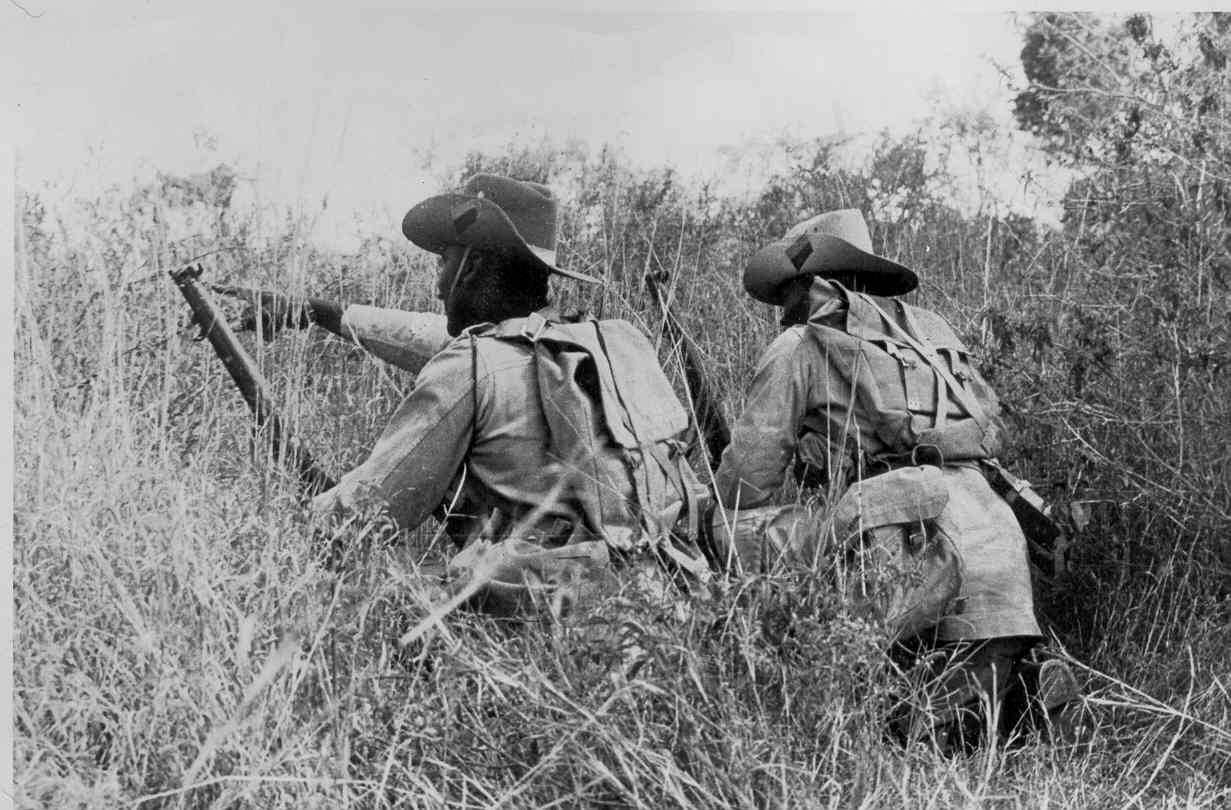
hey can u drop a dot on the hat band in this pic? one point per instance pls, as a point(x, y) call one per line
point(799, 251)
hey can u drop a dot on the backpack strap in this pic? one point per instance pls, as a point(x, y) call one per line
point(670, 463)
point(642, 451)
point(670, 468)
point(930, 356)
point(530, 327)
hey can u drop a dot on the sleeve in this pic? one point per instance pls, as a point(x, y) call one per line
point(765, 437)
point(423, 446)
point(405, 339)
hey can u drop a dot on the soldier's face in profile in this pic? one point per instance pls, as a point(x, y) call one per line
point(448, 264)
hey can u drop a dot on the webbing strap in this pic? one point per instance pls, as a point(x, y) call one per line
point(671, 469)
point(696, 567)
point(531, 328)
point(930, 356)
point(640, 472)
point(528, 327)
point(941, 405)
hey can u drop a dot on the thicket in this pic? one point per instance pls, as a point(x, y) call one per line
point(176, 646)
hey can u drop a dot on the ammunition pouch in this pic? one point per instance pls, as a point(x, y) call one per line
point(894, 560)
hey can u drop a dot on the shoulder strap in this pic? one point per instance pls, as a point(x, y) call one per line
point(529, 327)
point(652, 457)
point(932, 358)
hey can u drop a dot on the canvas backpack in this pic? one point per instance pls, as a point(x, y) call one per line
point(913, 378)
point(602, 379)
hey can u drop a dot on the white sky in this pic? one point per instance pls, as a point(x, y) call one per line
point(349, 99)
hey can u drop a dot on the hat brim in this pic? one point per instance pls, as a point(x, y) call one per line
point(471, 221)
point(771, 267)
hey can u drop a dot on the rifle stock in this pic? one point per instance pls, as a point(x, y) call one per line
point(715, 433)
point(247, 377)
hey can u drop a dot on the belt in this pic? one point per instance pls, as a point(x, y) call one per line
point(923, 455)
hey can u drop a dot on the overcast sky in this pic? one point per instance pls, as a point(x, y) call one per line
point(351, 99)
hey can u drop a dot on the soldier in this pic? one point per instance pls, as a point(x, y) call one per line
point(888, 425)
point(563, 434)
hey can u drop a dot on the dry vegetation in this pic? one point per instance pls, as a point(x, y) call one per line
point(178, 647)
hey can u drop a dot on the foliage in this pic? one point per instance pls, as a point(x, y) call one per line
point(177, 645)
point(1143, 282)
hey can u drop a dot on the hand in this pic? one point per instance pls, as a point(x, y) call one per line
point(275, 311)
point(325, 507)
point(329, 538)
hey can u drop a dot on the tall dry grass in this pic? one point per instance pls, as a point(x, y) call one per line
point(177, 645)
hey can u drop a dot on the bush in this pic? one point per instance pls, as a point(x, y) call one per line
point(178, 647)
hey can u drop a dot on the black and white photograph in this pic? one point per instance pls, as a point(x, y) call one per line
point(616, 405)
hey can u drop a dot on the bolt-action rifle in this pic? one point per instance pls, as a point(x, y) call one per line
point(248, 379)
point(715, 433)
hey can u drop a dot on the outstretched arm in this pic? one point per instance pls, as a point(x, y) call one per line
point(405, 339)
point(272, 312)
point(326, 314)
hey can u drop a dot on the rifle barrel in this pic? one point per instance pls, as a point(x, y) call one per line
point(248, 379)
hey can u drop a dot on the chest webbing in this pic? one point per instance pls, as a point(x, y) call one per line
point(946, 382)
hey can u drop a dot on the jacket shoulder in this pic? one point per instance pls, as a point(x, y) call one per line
point(865, 320)
point(787, 346)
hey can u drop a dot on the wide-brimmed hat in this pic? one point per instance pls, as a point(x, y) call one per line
point(491, 212)
point(833, 243)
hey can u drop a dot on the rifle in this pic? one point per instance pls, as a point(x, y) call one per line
point(248, 379)
point(710, 420)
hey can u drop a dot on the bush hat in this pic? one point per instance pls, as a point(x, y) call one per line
point(828, 244)
point(491, 212)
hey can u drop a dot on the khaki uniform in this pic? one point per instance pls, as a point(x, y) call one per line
point(846, 400)
point(565, 440)
point(405, 339)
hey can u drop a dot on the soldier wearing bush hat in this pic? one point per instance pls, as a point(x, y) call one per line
point(834, 245)
point(557, 440)
point(496, 223)
point(876, 406)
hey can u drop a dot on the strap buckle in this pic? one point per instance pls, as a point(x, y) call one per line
point(532, 328)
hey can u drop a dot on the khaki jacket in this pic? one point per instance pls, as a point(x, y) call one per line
point(845, 389)
point(509, 423)
point(827, 398)
point(405, 339)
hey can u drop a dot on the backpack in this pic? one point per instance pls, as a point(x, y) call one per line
point(602, 379)
point(913, 378)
